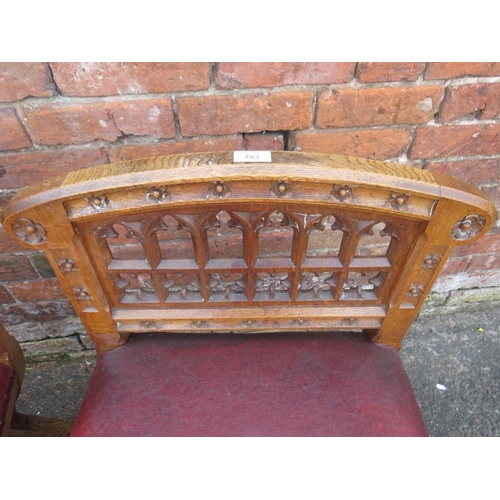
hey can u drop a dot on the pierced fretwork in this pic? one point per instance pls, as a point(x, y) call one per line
point(280, 255)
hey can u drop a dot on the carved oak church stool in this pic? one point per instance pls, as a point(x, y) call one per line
point(248, 299)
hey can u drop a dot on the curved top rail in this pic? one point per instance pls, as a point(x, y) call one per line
point(209, 177)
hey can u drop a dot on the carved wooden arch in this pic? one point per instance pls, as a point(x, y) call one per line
point(437, 212)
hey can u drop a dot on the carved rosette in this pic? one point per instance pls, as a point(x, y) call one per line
point(468, 227)
point(281, 189)
point(416, 291)
point(398, 201)
point(218, 189)
point(157, 194)
point(81, 294)
point(66, 265)
point(29, 231)
point(431, 261)
point(98, 202)
point(341, 193)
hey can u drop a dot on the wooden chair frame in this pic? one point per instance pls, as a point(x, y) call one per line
point(71, 217)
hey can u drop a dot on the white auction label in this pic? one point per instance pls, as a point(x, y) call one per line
point(251, 156)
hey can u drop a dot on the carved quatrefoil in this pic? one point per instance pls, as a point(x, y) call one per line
point(29, 231)
point(468, 227)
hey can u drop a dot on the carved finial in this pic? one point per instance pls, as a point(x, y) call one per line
point(281, 189)
point(468, 227)
point(156, 194)
point(29, 231)
point(218, 189)
point(399, 201)
point(341, 193)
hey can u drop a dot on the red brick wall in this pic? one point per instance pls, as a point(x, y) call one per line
point(57, 117)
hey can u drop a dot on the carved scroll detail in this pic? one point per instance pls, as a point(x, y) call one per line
point(29, 231)
point(468, 227)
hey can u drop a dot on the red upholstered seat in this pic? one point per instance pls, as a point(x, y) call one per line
point(6, 383)
point(280, 384)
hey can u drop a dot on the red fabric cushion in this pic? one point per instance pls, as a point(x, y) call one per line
point(249, 385)
point(6, 380)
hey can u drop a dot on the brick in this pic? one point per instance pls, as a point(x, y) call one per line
point(224, 114)
point(479, 101)
point(477, 172)
point(377, 106)
point(8, 245)
point(442, 71)
point(41, 265)
point(153, 117)
point(274, 74)
point(32, 291)
point(484, 262)
point(487, 244)
point(71, 124)
point(22, 169)
point(5, 296)
point(456, 265)
point(12, 133)
point(19, 80)
point(263, 142)
point(27, 331)
point(107, 79)
point(16, 267)
point(378, 144)
point(50, 347)
point(105, 121)
point(135, 151)
point(467, 280)
point(456, 140)
point(14, 314)
point(368, 72)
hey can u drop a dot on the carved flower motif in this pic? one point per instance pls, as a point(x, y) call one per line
point(156, 194)
point(342, 193)
point(431, 261)
point(29, 231)
point(399, 201)
point(281, 189)
point(99, 202)
point(468, 227)
point(416, 291)
point(271, 283)
point(316, 282)
point(218, 189)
